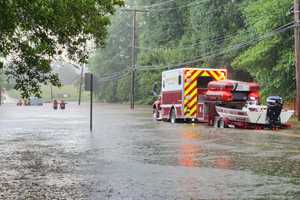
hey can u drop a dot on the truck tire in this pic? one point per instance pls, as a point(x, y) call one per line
point(173, 119)
point(156, 114)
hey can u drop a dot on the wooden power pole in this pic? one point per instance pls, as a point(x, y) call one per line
point(133, 60)
point(133, 53)
point(80, 85)
point(297, 56)
point(51, 92)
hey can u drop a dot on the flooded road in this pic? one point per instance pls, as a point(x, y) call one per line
point(47, 154)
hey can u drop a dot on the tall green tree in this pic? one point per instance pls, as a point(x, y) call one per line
point(114, 60)
point(213, 24)
point(33, 31)
point(270, 61)
point(216, 33)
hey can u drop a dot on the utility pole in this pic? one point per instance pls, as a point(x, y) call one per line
point(133, 60)
point(91, 101)
point(51, 92)
point(297, 56)
point(133, 53)
point(80, 84)
point(0, 96)
point(89, 86)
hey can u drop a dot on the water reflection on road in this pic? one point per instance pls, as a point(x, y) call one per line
point(189, 151)
point(48, 154)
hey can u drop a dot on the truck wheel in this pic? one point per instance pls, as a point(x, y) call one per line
point(156, 114)
point(173, 116)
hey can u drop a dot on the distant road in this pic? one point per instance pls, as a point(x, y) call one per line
point(8, 99)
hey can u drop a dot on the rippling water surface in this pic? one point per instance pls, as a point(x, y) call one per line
point(47, 154)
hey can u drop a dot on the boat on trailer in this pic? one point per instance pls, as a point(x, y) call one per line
point(255, 116)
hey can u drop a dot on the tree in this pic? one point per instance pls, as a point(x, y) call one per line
point(114, 59)
point(212, 25)
point(270, 61)
point(216, 33)
point(32, 32)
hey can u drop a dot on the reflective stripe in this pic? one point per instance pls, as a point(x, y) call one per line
point(170, 105)
point(191, 90)
point(190, 93)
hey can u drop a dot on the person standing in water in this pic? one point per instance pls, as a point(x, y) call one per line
point(62, 105)
point(55, 104)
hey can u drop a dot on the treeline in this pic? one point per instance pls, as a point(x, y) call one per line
point(253, 39)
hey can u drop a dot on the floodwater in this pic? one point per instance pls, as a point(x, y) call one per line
point(47, 154)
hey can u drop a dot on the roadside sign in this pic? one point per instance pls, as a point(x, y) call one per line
point(88, 86)
point(87, 81)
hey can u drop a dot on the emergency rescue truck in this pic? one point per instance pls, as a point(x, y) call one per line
point(183, 94)
point(205, 95)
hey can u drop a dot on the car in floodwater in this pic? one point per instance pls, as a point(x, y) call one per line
point(35, 101)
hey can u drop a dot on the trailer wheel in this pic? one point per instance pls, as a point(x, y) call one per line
point(173, 119)
point(216, 122)
point(222, 123)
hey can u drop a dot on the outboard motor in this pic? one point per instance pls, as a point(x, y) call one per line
point(274, 107)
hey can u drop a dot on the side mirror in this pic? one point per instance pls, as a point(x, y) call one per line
point(155, 89)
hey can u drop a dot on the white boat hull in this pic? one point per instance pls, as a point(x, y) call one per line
point(257, 115)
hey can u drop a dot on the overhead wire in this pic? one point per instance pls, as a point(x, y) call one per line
point(234, 47)
point(126, 71)
point(113, 74)
point(115, 77)
point(75, 79)
point(155, 8)
point(205, 41)
point(153, 5)
point(170, 66)
point(194, 3)
point(151, 10)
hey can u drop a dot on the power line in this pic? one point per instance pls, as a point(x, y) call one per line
point(113, 74)
point(232, 48)
point(194, 3)
point(215, 40)
point(153, 5)
point(126, 71)
point(235, 47)
point(75, 79)
point(115, 77)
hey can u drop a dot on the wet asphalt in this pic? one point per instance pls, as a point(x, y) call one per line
point(47, 154)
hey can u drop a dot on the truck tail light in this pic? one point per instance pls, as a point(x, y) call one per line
point(254, 96)
point(227, 96)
